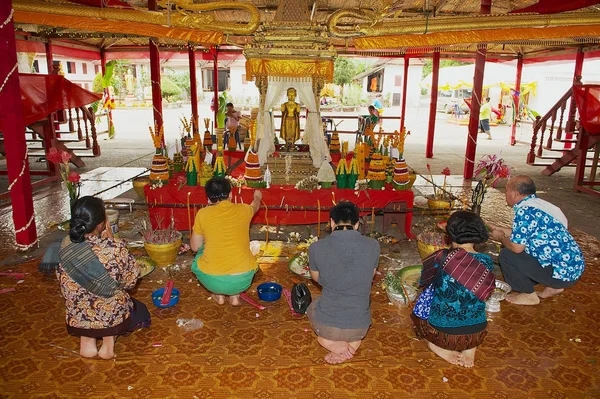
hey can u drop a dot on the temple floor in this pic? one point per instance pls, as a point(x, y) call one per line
point(547, 351)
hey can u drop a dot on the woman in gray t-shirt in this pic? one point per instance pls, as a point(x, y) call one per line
point(343, 264)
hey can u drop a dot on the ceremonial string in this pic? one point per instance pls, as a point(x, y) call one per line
point(266, 221)
point(7, 20)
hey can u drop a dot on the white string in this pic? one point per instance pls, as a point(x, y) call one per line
point(7, 21)
point(26, 226)
point(14, 68)
point(10, 186)
point(22, 247)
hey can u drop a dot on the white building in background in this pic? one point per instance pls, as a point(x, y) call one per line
point(386, 76)
point(79, 71)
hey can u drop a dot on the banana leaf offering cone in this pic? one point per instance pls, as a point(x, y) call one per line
point(342, 174)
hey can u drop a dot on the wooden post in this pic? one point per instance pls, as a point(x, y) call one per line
point(215, 53)
point(433, 104)
point(14, 133)
point(49, 56)
point(476, 99)
point(570, 128)
point(193, 86)
point(404, 85)
point(155, 79)
point(513, 134)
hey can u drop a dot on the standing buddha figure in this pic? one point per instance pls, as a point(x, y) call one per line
point(290, 119)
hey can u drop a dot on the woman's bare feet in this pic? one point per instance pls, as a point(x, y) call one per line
point(87, 347)
point(334, 358)
point(219, 299)
point(234, 300)
point(339, 351)
point(520, 298)
point(549, 292)
point(467, 358)
point(449, 356)
point(107, 350)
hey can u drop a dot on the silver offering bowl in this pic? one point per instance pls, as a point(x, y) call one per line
point(499, 293)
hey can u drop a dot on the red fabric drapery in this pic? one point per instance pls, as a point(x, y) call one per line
point(275, 196)
point(587, 98)
point(42, 95)
point(554, 6)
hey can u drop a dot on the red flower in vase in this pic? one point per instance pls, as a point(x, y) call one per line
point(53, 155)
point(429, 168)
point(276, 155)
point(65, 157)
point(74, 177)
point(446, 172)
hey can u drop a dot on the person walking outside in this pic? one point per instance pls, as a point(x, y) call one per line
point(485, 113)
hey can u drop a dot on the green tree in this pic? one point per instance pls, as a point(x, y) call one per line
point(343, 71)
point(183, 81)
point(170, 91)
point(428, 67)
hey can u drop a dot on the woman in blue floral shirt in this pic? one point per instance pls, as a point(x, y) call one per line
point(539, 249)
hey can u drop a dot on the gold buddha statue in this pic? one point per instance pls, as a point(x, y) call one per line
point(290, 119)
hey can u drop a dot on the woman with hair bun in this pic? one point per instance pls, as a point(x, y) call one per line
point(450, 313)
point(94, 272)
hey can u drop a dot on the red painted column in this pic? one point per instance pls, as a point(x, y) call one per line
point(215, 53)
point(193, 85)
point(573, 108)
point(476, 100)
point(14, 134)
point(155, 79)
point(404, 85)
point(49, 56)
point(433, 104)
point(513, 134)
point(471, 150)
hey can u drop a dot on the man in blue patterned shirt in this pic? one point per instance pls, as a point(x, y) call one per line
point(539, 249)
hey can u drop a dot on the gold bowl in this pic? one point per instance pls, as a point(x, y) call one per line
point(427, 249)
point(138, 185)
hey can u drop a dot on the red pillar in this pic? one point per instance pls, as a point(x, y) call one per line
point(404, 85)
point(193, 85)
point(49, 56)
point(513, 134)
point(433, 104)
point(155, 79)
point(471, 150)
point(573, 108)
point(476, 100)
point(14, 134)
point(215, 53)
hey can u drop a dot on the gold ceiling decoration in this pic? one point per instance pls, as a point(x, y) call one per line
point(186, 15)
point(290, 46)
point(374, 25)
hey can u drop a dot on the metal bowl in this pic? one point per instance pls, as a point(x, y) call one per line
point(502, 289)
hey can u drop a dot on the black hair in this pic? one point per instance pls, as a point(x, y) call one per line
point(372, 107)
point(86, 214)
point(465, 227)
point(525, 186)
point(217, 189)
point(487, 99)
point(228, 104)
point(344, 212)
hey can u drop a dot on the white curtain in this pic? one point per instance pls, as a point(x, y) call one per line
point(266, 129)
point(313, 134)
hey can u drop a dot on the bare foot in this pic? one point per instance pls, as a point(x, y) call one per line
point(520, 298)
point(467, 358)
point(107, 350)
point(449, 356)
point(549, 292)
point(87, 347)
point(219, 299)
point(234, 300)
point(334, 358)
point(341, 348)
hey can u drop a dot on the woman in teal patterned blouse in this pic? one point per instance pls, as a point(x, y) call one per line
point(457, 322)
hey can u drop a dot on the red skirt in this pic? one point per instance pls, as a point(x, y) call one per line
point(452, 342)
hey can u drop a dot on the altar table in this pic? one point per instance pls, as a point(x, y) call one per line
point(285, 204)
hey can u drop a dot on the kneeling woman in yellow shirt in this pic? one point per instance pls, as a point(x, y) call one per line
point(224, 264)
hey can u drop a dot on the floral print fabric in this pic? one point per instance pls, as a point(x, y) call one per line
point(453, 305)
point(547, 240)
point(88, 311)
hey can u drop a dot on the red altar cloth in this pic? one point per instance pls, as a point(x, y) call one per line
point(169, 200)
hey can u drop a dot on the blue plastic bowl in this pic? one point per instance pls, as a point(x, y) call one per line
point(157, 298)
point(269, 292)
